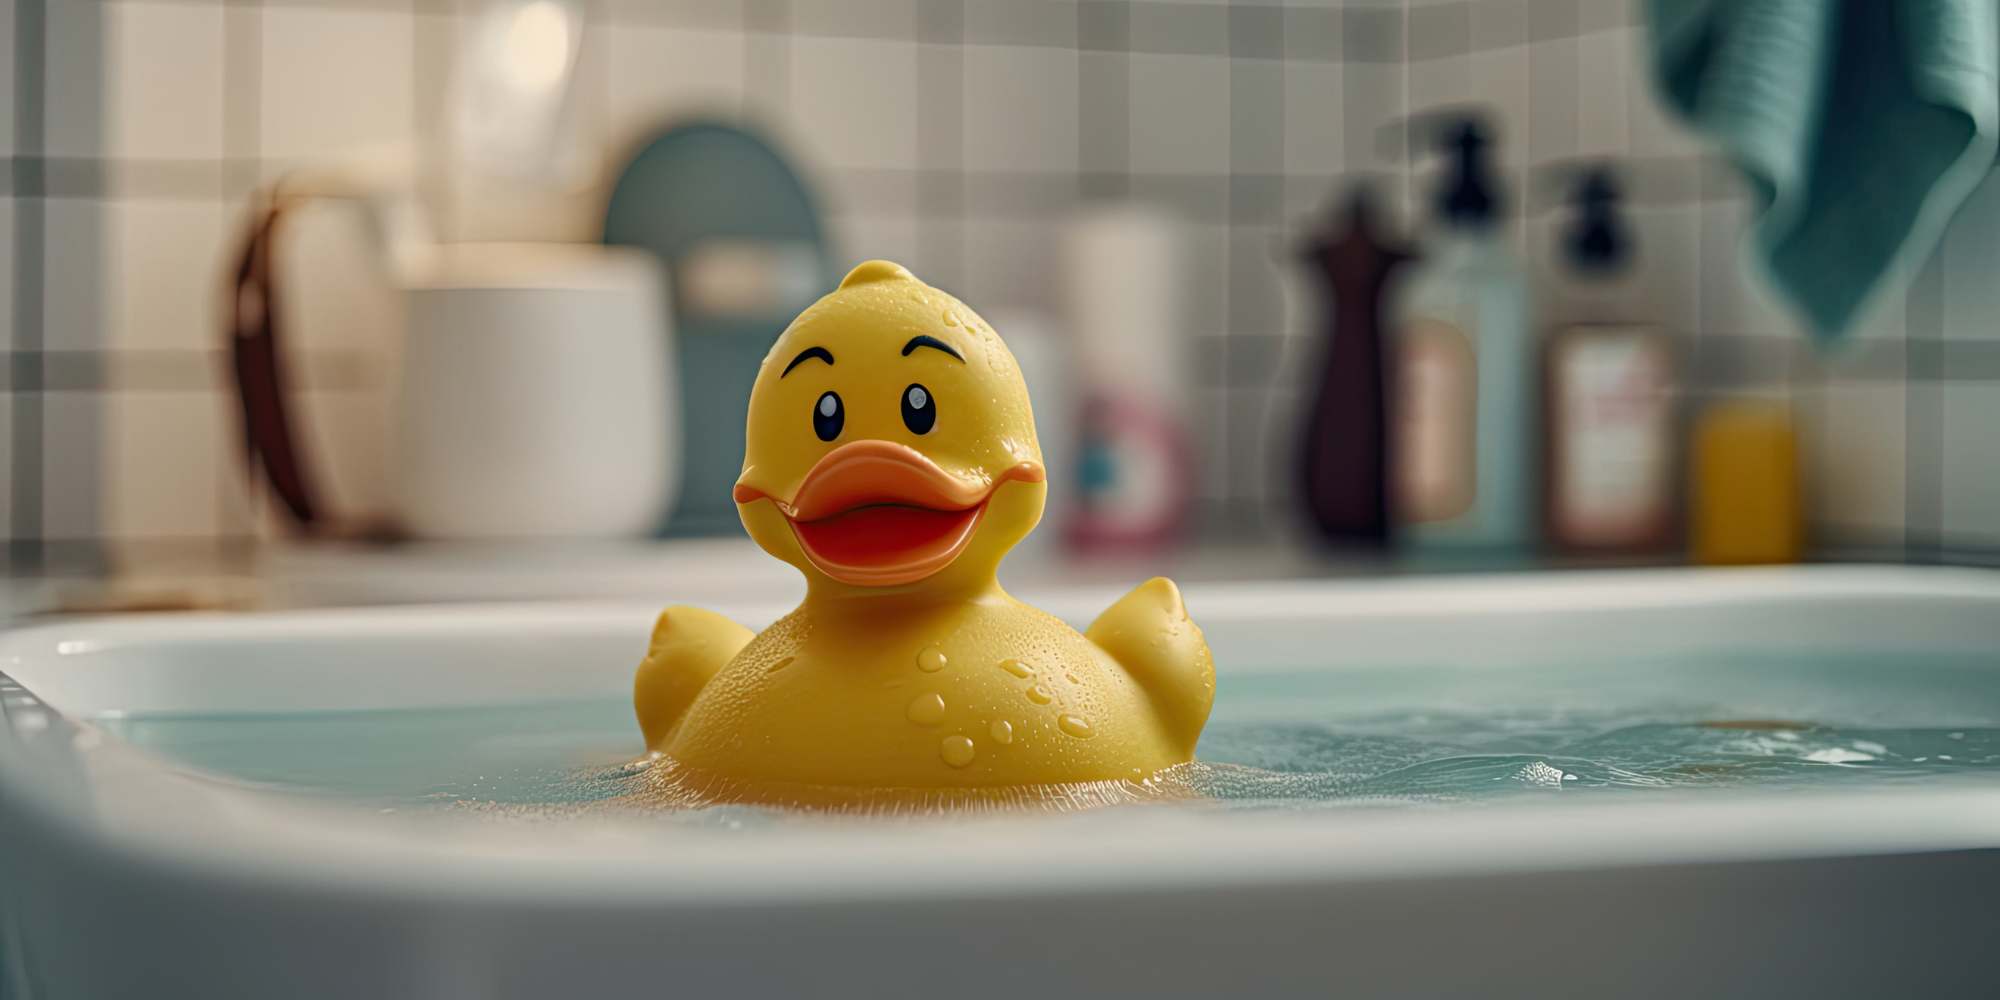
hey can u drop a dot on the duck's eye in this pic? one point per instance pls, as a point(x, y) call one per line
point(828, 415)
point(919, 409)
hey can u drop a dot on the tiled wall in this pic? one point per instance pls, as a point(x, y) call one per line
point(135, 129)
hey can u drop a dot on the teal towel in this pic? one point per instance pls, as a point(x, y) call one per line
point(1862, 125)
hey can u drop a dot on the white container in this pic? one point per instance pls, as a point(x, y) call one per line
point(1124, 275)
point(125, 877)
point(537, 397)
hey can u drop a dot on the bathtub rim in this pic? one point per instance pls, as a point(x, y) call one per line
point(137, 813)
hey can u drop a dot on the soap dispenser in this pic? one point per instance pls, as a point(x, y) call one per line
point(1608, 388)
point(1463, 360)
point(1343, 465)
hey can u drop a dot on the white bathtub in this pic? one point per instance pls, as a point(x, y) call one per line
point(121, 876)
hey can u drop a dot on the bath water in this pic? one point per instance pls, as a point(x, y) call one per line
point(1277, 739)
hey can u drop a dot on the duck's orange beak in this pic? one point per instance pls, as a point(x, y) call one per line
point(880, 514)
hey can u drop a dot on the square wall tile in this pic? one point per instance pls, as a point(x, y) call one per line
point(1500, 24)
point(1256, 279)
point(853, 101)
point(337, 80)
point(165, 274)
point(1971, 462)
point(1256, 116)
point(865, 236)
point(1008, 266)
point(163, 454)
point(73, 463)
point(7, 251)
point(6, 465)
point(1254, 461)
point(1207, 423)
point(1179, 114)
point(1438, 30)
point(7, 81)
point(1553, 285)
point(1858, 461)
point(1187, 28)
point(658, 73)
point(1669, 264)
point(1971, 255)
point(1371, 99)
point(1609, 15)
point(1020, 108)
point(892, 19)
point(1257, 32)
point(1207, 264)
point(75, 259)
point(75, 63)
point(1554, 100)
point(165, 69)
point(1312, 32)
point(439, 42)
point(1312, 118)
point(1606, 62)
point(941, 252)
point(1439, 83)
point(1017, 22)
point(1501, 78)
point(1104, 98)
point(1373, 33)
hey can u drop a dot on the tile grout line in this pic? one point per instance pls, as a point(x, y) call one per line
point(242, 107)
point(30, 228)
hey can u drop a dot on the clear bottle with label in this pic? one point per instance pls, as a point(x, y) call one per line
point(1463, 469)
point(1609, 391)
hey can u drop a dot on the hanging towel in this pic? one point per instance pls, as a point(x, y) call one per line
point(1861, 126)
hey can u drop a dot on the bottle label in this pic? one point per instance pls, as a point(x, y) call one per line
point(1616, 456)
point(1437, 397)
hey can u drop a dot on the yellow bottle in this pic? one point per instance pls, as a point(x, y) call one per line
point(1745, 505)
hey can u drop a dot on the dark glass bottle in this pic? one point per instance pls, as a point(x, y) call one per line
point(1343, 469)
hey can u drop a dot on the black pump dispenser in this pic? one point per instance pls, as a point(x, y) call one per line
point(1596, 240)
point(1467, 197)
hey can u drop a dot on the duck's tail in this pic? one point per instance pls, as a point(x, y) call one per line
point(1149, 633)
point(689, 646)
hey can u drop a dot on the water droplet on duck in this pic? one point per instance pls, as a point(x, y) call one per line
point(1003, 732)
point(931, 660)
point(783, 662)
point(1039, 695)
point(1017, 668)
point(950, 318)
point(927, 709)
point(957, 751)
point(1075, 725)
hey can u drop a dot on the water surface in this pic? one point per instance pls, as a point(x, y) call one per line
point(1278, 739)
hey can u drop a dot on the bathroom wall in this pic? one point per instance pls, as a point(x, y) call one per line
point(135, 129)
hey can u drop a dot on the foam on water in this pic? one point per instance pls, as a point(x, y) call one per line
point(1278, 740)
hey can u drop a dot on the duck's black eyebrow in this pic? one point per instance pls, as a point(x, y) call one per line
point(809, 353)
point(922, 340)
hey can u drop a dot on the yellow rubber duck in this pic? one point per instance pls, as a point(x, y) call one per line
point(891, 457)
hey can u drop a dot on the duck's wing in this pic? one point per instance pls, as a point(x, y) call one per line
point(1149, 633)
point(689, 646)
